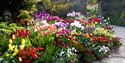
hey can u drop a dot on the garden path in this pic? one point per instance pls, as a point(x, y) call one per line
point(118, 57)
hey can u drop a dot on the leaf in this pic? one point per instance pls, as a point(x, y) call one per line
point(1, 59)
point(5, 61)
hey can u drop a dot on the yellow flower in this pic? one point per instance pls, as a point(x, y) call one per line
point(23, 42)
point(7, 54)
point(21, 47)
point(11, 47)
point(14, 54)
point(20, 59)
point(87, 25)
point(16, 50)
point(96, 22)
point(13, 37)
point(10, 41)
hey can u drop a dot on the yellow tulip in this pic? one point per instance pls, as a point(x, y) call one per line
point(87, 25)
point(23, 42)
point(16, 50)
point(13, 37)
point(10, 41)
point(11, 47)
point(14, 54)
point(96, 22)
point(20, 59)
point(21, 47)
point(7, 54)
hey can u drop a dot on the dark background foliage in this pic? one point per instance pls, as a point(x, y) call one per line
point(11, 5)
point(115, 9)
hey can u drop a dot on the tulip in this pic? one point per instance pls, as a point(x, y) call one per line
point(10, 41)
point(23, 42)
point(34, 56)
point(16, 50)
point(20, 59)
point(96, 22)
point(7, 55)
point(86, 35)
point(21, 47)
point(13, 37)
point(11, 47)
point(14, 54)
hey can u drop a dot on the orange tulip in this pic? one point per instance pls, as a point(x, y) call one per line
point(86, 35)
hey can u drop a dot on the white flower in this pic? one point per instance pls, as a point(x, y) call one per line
point(108, 18)
point(105, 20)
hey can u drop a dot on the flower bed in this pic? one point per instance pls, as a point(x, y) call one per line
point(50, 39)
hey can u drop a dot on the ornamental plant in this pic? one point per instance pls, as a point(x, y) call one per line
point(25, 15)
point(102, 32)
point(60, 25)
point(63, 35)
point(5, 33)
point(58, 8)
point(101, 40)
point(45, 16)
point(117, 42)
point(73, 14)
point(13, 50)
point(42, 35)
point(88, 56)
point(94, 20)
point(101, 51)
point(66, 55)
point(30, 54)
point(76, 26)
point(22, 34)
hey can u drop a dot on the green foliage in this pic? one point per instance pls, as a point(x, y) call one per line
point(5, 34)
point(115, 11)
point(55, 8)
point(91, 2)
point(28, 10)
point(48, 56)
point(88, 57)
point(81, 48)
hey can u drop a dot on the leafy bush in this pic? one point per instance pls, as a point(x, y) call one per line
point(115, 11)
point(55, 8)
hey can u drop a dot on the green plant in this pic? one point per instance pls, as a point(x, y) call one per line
point(117, 42)
point(88, 56)
point(56, 7)
point(47, 57)
point(5, 34)
point(101, 51)
point(79, 47)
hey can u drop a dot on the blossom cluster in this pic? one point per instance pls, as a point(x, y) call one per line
point(26, 55)
point(101, 39)
point(93, 20)
point(102, 32)
point(21, 33)
point(65, 53)
point(45, 16)
point(73, 14)
point(60, 24)
point(45, 29)
point(102, 50)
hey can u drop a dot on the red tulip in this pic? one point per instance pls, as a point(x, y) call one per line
point(34, 56)
point(54, 43)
